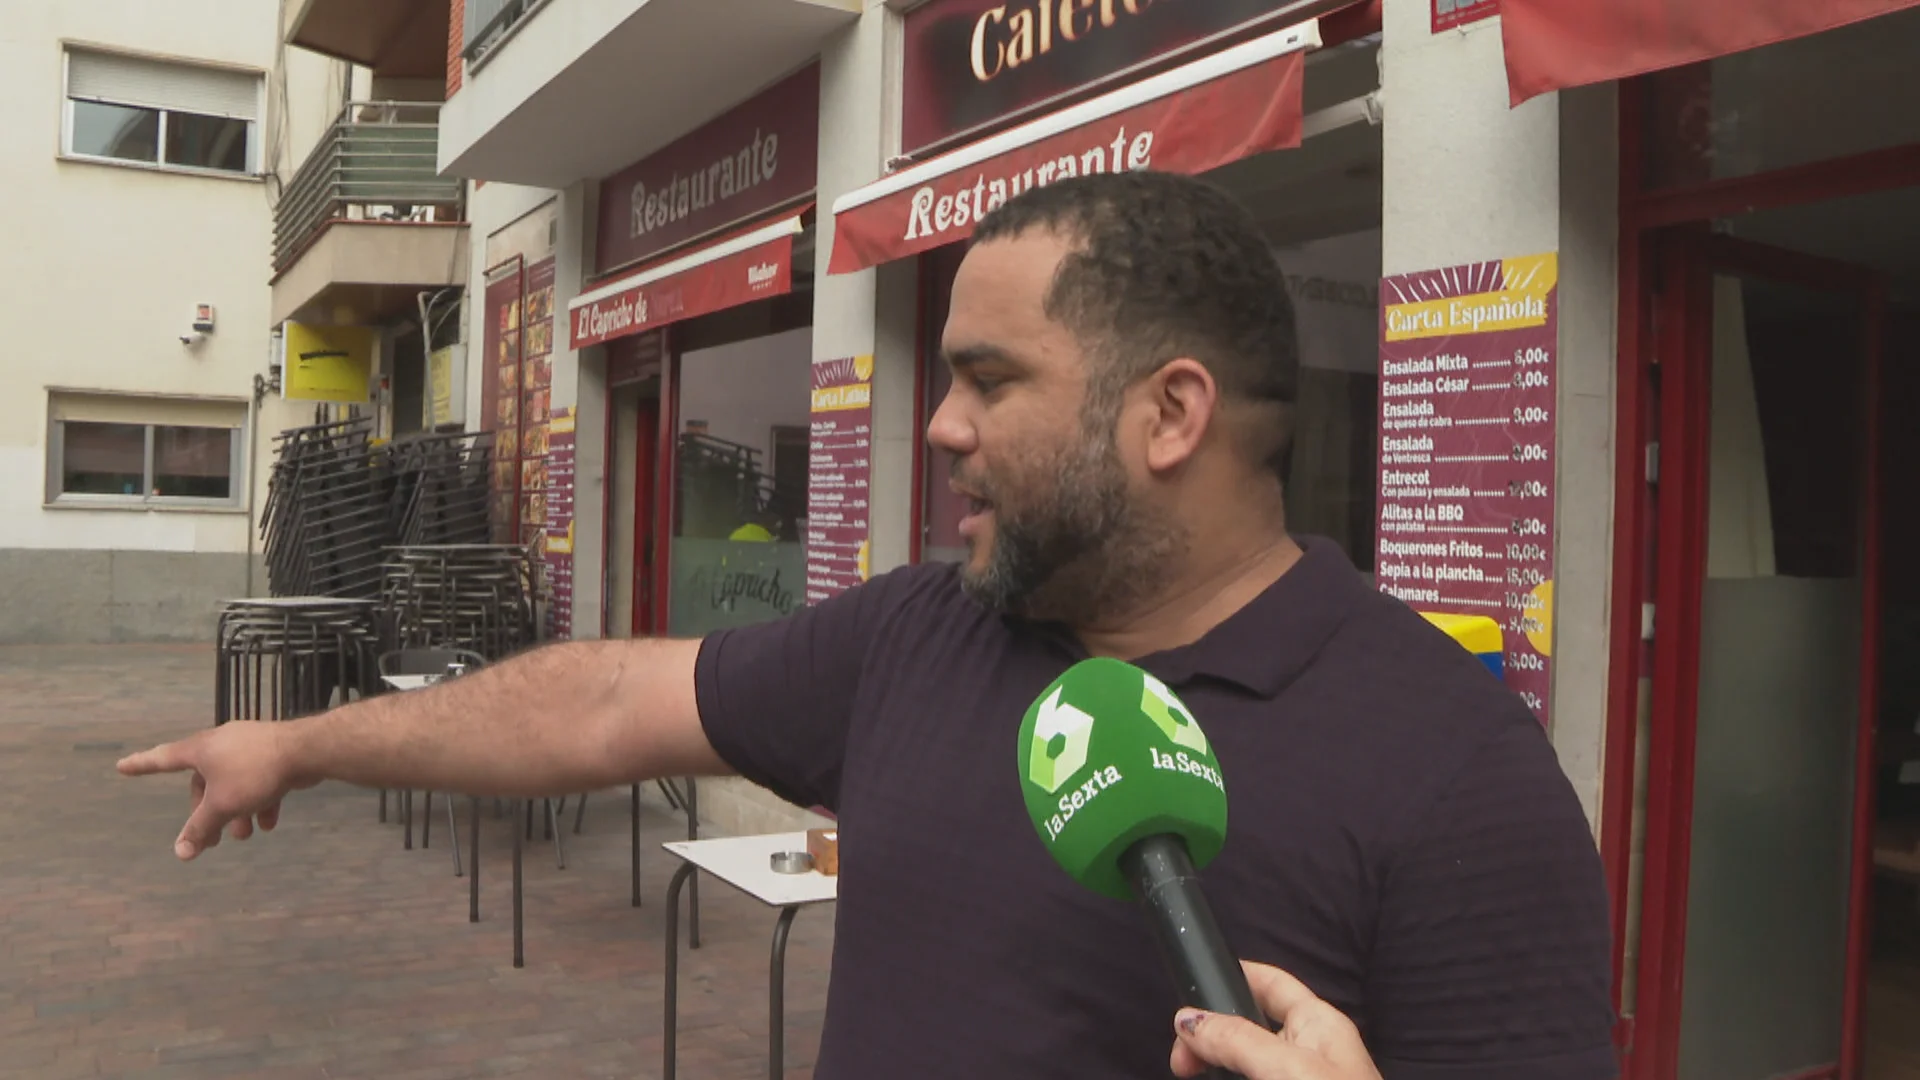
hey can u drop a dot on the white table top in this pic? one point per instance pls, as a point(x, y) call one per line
point(408, 682)
point(742, 862)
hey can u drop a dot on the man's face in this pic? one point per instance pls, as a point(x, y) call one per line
point(1054, 529)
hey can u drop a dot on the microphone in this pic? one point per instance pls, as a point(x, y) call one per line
point(1127, 796)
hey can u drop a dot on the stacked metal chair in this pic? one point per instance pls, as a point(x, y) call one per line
point(439, 488)
point(484, 597)
point(285, 657)
point(326, 518)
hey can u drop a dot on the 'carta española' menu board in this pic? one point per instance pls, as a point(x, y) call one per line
point(1466, 473)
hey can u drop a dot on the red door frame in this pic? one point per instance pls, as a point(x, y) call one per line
point(647, 483)
point(1651, 407)
point(667, 457)
point(646, 455)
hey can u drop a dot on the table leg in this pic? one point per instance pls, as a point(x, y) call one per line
point(777, 996)
point(636, 845)
point(693, 833)
point(671, 1031)
point(473, 871)
point(519, 942)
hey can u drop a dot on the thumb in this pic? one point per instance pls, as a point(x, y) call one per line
point(1240, 1046)
point(201, 832)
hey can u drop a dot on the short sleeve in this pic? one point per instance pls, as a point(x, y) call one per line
point(1491, 957)
point(776, 698)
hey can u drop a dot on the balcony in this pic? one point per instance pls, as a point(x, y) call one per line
point(559, 91)
point(367, 222)
point(395, 39)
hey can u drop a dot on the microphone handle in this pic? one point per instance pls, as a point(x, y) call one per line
point(1204, 969)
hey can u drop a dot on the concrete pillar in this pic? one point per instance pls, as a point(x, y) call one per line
point(580, 382)
point(1589, 368)
point(1468, 178)
point(874, 311)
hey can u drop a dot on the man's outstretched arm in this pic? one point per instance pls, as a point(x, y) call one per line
point(565, 718)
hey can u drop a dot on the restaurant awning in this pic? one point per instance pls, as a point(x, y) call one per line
point(1233, 104)
point(754, 263)
point(1555, 44)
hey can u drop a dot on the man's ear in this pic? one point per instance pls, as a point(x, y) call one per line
point(1185, 401)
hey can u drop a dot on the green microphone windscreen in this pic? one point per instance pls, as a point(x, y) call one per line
point(1109, 755)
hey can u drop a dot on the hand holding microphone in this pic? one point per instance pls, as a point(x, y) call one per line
point(1127, 796)
point(1315, 1042)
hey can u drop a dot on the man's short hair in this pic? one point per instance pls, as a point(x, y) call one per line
point(1168, 266)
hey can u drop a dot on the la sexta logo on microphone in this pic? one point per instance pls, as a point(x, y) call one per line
point(1171, 716)
point(1061, 736)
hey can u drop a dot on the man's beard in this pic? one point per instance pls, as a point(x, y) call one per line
point(1080, 552)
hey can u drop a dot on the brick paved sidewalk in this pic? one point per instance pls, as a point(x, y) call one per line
point(323, 949)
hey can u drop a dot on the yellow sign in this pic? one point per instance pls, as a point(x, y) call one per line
point(440, 385)
point(842, 398)
point(1518, 301)
point(329, 363)
point(1540, 634)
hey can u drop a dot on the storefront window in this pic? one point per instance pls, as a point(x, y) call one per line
point(740, 499)
point(1810, 99)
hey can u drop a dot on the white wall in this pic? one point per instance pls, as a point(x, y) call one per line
point(873, 312)
point(104, 264)
point(1468, 178)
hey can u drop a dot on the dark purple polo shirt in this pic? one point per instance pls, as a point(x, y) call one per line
point(1400, 836)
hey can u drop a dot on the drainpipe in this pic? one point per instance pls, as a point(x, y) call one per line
point(261, 386)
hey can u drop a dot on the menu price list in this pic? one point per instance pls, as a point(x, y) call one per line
point(840, 456)
point(1466, 479)
point(559, 523)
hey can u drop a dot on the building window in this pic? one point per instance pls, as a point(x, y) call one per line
point(167, 115)
point(116, 450)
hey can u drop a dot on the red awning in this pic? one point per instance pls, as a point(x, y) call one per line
point(1231, 105)
point(750, 265)
point(1554, 44)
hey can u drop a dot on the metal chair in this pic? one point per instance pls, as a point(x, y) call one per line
point(427, 661)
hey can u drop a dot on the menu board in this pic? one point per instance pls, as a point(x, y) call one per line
point(500, 399)
point(559, 557)
point(840, 460)
point(1466, 472)
point(536, 389)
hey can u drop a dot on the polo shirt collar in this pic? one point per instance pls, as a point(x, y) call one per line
point(1267, 643)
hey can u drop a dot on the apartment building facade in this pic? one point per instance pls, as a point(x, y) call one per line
point(149, 154)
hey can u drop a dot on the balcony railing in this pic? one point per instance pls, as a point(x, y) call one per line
point(378, 162)
point(488, 24)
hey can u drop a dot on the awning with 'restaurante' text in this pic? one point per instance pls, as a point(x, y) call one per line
point(1555, 44)
point(752, 265)
point(1231, 105)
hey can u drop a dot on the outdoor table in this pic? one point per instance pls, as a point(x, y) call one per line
point(409, 682)
point(743, 862)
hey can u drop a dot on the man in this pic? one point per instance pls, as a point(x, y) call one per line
point(1124, 362)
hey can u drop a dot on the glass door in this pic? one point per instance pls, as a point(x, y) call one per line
point(1764, 664)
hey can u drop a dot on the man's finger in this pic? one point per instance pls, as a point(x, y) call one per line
point(240, 828)
point(166, 758)
point(269, 818)
point(1242, 1047)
